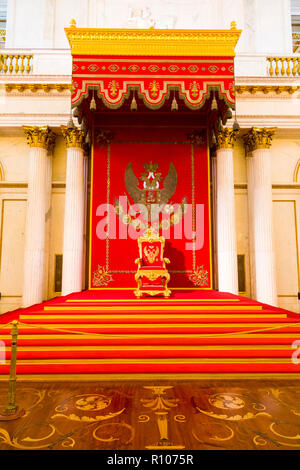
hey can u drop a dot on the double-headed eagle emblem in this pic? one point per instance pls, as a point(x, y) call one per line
point(151, 193)
point(153, 197)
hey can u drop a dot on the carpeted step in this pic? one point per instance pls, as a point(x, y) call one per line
point(149, 318)
point(158, 352)
point(247, 366)
point(154, 328)
point(113, 333)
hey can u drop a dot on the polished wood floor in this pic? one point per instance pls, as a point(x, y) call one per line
point(141, 415)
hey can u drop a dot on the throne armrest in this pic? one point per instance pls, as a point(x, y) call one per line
point(138, 261)
point(166, 260)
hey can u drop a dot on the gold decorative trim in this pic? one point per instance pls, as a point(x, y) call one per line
point(199, 277)
point(101, 277)
point(41, 137)
point(226, 138)
point(34, 87)
point(74, 137)
point(265, 89)
point(154, 42)
point(258, 138)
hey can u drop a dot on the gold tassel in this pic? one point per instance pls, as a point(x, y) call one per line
point(93, 105)
point(174, 106)
point(213, 139)
point(214, 104)
point(70, 124)
point(228, 113)
point(236, 126)
point(133, 106)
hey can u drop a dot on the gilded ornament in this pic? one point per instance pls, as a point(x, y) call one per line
point(259, 138)
point(101, 277)
point(226, 138)
point(199, 277)
point(197, 138)
point(104, 137)
point(41, 137)
point(74, 137)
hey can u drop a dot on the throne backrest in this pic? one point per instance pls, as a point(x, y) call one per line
point(151, 253)
point(151, 250)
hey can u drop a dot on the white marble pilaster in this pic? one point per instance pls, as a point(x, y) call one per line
point(39, 139)
point(258, 143)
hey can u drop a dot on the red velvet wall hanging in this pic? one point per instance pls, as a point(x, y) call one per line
point(166, 169)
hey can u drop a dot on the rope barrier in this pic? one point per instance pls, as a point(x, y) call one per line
point(202, 335)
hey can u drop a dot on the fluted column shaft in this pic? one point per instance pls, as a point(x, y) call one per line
point(226, 226)
point(40, 140)
point(74, 213)
point(214, 211)
point(258, 143)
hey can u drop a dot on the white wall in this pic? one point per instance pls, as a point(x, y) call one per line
point(266, 24)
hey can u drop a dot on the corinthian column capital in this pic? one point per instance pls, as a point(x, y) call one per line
point(41, 137)
point(226, 138)
point(259, 138)
point(74, 137)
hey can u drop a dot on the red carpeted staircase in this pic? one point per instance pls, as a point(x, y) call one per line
point(202, 333)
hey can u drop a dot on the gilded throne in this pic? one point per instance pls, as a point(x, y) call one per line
point(152, 277)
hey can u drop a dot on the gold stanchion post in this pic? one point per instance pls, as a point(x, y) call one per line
point(12, 410)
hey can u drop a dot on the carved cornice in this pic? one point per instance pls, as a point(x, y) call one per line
point(259, 138)
point(41, 137)
point(74, 137)
point(158, 42)
point(226, 138)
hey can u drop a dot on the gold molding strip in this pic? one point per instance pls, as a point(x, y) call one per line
point(34, 87)
point(153, 42)
point(265, 89)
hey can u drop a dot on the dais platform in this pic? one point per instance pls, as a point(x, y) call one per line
point(111, 334)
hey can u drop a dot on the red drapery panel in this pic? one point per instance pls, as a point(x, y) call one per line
point(151, 165)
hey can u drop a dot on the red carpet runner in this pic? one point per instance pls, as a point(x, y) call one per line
point(201, 333)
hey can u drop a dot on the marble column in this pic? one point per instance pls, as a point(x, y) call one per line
point(85, 233)
point(226, 226)
point(74, 212)
point(213, 160)
point(40, 140)
point(257, 143)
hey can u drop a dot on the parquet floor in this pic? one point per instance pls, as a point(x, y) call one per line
point(141, 415)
